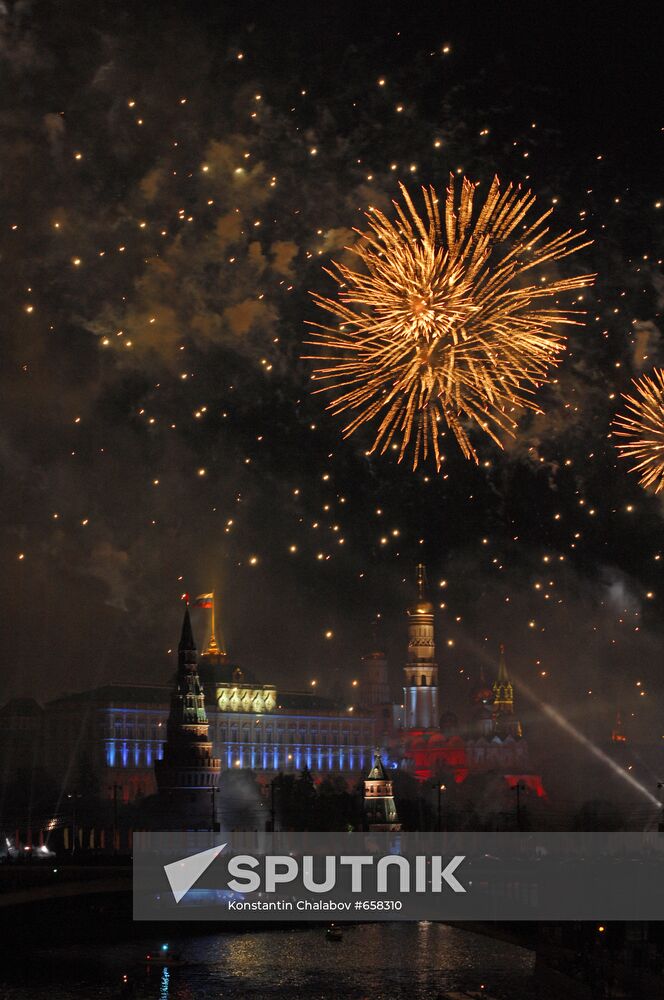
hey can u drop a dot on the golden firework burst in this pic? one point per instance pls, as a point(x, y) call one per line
point(444, 326)
point(641, 430)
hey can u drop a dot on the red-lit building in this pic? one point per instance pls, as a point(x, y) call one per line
point(421, 739)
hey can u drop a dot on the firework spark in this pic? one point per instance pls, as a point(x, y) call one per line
point(443, 326)
point(641, 430)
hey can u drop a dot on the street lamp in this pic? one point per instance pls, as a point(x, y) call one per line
point(441, 789)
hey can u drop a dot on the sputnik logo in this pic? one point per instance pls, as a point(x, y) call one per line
point(183, 874)
point(279, 869)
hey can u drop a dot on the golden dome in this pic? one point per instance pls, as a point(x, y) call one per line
point(421, 608)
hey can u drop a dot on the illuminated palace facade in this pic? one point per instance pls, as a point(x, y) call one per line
point(123, 729)
point(116, 735)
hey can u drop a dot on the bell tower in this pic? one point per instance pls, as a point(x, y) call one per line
point(421, 670)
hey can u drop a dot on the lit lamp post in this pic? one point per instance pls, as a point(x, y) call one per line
point(440, 788)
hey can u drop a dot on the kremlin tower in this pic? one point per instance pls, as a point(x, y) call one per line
point(503, 701)
point(213, 664)
point(188, 774)
point(421, 670)
point(380, 811)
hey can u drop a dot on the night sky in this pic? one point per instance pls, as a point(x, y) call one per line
point(175, 177)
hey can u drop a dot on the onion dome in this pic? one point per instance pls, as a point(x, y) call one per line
point(422, 606)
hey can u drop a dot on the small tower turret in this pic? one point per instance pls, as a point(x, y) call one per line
point(380, 812)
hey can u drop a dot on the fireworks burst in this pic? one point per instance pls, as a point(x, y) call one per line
point(443, 326)
point(641, 430)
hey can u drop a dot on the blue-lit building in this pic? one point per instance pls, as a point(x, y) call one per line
point(115, 735)
point(120, 730)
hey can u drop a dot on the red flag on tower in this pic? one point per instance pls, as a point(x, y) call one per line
point(203, 601)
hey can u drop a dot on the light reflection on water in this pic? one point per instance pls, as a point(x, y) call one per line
point(371, 962)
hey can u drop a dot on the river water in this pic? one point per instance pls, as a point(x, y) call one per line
point(372, 962)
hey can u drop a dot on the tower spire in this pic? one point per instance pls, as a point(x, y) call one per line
point(421, 581)
point(502, 687)
point(503, 675)
point(212, 646)
point(186, 643)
